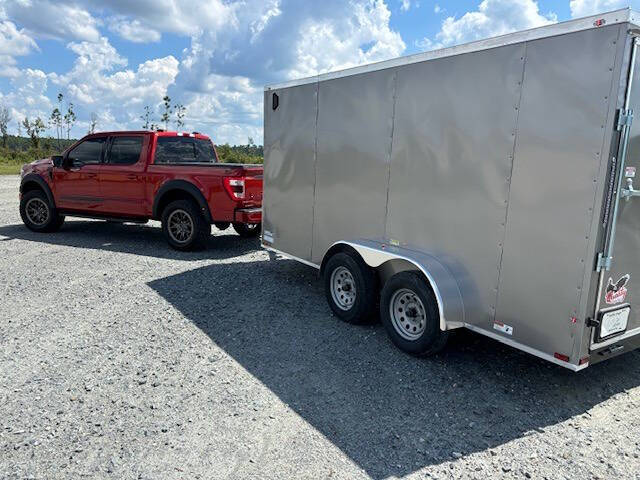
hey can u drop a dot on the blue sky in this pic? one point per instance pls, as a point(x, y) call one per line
point(112, 58)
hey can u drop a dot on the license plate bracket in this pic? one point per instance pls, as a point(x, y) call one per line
point(612, 322)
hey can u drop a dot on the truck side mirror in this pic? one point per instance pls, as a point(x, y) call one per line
point(57, 160)
point(67, 162)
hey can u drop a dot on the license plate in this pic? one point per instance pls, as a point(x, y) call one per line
point(614, 322)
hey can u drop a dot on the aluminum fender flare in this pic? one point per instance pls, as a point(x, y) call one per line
point(185, 186)
point(444, 285)
point(42, 183)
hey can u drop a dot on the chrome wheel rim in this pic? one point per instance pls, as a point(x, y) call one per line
point(408, 315)
point(343, 288)
point(180, 226)
point(37, 211)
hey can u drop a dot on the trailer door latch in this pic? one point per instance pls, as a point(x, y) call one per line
point(604, 263)
point(625, 118)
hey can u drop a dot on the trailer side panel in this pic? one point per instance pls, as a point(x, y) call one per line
point(289, 170)
point(451, 163)
point(355, 121)
point(559, 140)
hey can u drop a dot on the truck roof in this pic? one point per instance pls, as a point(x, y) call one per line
point(625, 15)
point(159, 133)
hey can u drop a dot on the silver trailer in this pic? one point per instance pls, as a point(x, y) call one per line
point(488, 186)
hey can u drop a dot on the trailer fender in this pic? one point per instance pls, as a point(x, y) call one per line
point(384, 257)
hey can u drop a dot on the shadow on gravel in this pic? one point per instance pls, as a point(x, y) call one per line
point(390, 413)
point(131, 238)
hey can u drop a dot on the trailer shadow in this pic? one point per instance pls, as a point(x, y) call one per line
point(147, 240)
point(390, 413)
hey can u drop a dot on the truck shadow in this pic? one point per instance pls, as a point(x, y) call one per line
point(147, 240)
point(390, 413)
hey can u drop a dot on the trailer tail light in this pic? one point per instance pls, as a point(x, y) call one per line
point(235, 187)
point(561, 356)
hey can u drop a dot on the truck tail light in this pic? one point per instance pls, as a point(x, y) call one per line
point(235, 187)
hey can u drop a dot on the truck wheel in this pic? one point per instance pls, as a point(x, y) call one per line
point(409, 313)
point(38, 214)
point(222, 225)
point(184, 226)
point(247, 230)
point(350, 286)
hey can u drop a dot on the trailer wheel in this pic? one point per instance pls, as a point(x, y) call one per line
point(351, 287)
point(409, 313)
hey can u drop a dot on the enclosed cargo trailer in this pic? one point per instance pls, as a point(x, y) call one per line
point(488, 186)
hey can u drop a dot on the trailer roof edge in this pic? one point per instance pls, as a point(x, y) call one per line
point(625, 15)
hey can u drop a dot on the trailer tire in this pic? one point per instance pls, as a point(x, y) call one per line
point(409, 312)
point(184, 226)
point(356, 303)
point(38, 214)
point(222, 225)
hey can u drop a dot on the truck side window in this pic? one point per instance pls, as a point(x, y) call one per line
point(88, 152)
point(125, 150)
point(175, 150)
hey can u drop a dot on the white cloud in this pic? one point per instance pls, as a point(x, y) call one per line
point(584, 8)
point(133, 30)
point(58, 20)
point(437, 9)
point(13, 43)
point(236, 48)
point(406, 5)
point(492, 18)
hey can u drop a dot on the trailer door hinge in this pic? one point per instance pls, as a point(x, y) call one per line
point(625, 118)
point(604, 263)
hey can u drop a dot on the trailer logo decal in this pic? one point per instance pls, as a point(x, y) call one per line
point(617, 292)
point(501, 327)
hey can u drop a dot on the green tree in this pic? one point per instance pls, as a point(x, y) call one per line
point(181, 112)
point(69, 119)
point(56, 120)
point(146, 117)
point(5, 118)
point(166, 114)
point(34, 129)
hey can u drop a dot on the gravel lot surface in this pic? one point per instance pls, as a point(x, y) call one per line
point(121, 358)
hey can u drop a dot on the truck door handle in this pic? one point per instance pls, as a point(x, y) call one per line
point(92, 175)
point(132, 176)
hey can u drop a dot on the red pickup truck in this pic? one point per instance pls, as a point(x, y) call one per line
point(137, 176)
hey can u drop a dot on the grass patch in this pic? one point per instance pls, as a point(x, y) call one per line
point(10, 169)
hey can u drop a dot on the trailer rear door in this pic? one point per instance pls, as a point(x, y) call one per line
point(618, 310)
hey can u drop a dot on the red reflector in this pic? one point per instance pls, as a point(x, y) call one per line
point(583, 361)
point(560, 356)
point(599, 22)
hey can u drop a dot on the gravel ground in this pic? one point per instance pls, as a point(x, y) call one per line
point(121, 358)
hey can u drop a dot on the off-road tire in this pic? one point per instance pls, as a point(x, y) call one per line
point(431, 340)
point(201, 229)
point(53, 220)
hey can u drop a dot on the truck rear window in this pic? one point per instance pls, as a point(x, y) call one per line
point(184, 150)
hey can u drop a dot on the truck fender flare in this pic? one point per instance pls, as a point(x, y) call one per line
point(37, 179)
point(442, 282)
point(184, 186)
